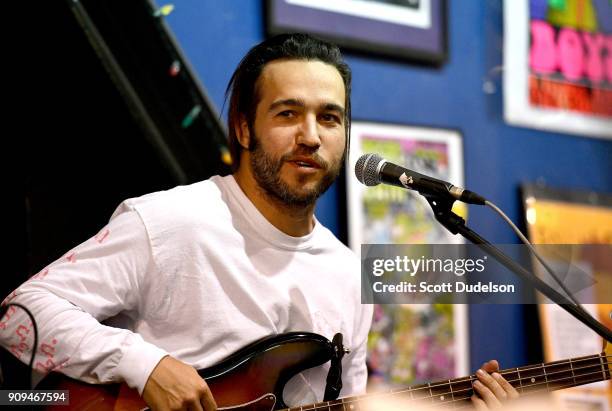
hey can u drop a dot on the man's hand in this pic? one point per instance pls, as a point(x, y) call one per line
point(174, 385)
point(492, 389)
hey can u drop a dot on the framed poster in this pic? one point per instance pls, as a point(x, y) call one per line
point(391, 215)
point(406, 29)
point(413, 343)
point(557, 216)
point(557, 65)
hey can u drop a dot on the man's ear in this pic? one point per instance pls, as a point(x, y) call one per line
point(242, 132)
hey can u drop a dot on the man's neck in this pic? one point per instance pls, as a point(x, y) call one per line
point(293, 221)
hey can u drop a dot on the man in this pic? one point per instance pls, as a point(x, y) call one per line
point(185, 277)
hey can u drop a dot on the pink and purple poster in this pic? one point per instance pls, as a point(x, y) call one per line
point(558, 65)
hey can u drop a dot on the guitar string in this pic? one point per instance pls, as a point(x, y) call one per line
point(594, 359)
point(455, 400)
point(522, 395)
point(549, 382)
point(508, 371)
point(534, 376)
point(548, 374)
point(524, 386)
point(560, 362)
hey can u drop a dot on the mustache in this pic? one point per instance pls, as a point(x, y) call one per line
point(313, 156)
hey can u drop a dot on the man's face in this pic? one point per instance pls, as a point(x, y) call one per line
point(298, 137)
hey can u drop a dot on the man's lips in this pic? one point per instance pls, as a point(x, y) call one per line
point(304, 162)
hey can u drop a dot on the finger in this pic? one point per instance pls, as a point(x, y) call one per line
point(487, 395)
point(510, 390)
point(492, 385)
point(207, 400)
point(490, 366)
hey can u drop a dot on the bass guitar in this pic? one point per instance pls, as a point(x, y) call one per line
point(253, 379)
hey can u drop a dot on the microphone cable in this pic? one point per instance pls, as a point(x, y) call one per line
point(535, 253)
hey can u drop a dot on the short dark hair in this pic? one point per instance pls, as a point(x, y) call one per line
point(242, 86)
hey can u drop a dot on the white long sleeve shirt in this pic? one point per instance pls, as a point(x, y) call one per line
point(196, 272)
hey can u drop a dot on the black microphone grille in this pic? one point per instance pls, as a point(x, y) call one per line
point(366, 169)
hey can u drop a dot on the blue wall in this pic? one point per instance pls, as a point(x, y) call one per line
point(215, 35)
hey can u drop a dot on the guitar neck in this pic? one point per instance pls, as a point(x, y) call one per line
point(454, 394)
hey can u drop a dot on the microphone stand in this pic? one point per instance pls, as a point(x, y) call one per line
point(455, 224)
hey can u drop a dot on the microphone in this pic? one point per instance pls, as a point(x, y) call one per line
point(372, 169)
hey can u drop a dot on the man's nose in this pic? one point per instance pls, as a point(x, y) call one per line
point(308, 134)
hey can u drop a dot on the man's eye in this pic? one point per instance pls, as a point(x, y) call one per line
point(287, 113)
point(330, 118)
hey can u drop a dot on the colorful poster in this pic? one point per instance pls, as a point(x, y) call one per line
point(408, 344)
point(558, 65)
point(565, 217)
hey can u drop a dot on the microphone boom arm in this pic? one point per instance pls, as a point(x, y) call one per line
point(442, 206)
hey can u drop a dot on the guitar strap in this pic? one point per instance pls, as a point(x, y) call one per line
point(334, 377)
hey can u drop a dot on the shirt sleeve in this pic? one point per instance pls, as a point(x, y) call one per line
point(98, 279)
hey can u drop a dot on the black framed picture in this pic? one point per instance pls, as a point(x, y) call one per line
point(412, 30)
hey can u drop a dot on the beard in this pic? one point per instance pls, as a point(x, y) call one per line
point(266, 171)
